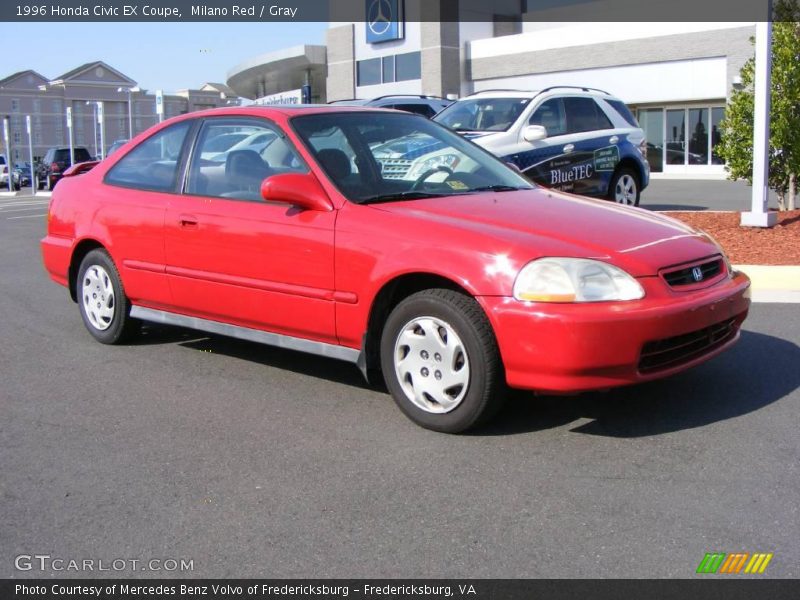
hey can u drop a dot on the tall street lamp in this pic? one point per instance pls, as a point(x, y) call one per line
point(130, 91)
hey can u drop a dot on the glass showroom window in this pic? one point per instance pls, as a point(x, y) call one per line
point(682, 136)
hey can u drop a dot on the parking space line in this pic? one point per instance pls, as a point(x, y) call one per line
point(27, 216)
point(15, 210)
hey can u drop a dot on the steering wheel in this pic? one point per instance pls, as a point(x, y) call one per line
point(421, 179)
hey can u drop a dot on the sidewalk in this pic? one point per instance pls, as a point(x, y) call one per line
point(773, 283)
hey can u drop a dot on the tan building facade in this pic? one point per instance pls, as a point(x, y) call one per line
point(46, 101)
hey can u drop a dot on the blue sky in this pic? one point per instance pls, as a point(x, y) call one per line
point(168, 56)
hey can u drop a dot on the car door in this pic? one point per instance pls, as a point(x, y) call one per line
point(233, 256)
point(581, 146)
point(142, 184)
point(537, 159)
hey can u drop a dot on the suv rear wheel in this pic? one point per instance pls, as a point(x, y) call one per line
point(624, 188)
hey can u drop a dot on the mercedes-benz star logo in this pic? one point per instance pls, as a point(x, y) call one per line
point(379, 17)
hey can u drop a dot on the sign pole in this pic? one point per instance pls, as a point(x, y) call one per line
point(160, 105)
point(102, 124)
point(69, 133)
point(30, 151)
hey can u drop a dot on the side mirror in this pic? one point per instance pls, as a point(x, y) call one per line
point(299, 189)
point(533, 133)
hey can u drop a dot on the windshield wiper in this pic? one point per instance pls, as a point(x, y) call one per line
point(499, 188)
point(410, 195)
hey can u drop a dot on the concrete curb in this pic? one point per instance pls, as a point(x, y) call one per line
point(773, 283)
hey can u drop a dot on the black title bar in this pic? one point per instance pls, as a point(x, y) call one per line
point(395, 589)
point(356, 10)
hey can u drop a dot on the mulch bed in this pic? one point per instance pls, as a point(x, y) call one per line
point(778, 245)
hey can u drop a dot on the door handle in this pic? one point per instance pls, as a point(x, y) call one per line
point(613, 139)
point(187, 221)
point(569, 148)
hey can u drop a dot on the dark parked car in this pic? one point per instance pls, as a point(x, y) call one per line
point(55, 162)
point(21, 175)
point(427, 106)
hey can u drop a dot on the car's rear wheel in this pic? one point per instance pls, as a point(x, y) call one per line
point(440, 361)
point(103, 304)
point(624, 188)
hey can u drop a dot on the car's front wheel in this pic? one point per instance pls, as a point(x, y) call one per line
point(624, 188)
point(440, 361)
point(103, 304)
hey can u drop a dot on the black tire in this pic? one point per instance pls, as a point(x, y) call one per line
point(622, 178)
point(485, 391)
point(119, 327)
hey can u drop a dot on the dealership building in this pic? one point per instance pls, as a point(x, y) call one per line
point(677, 77)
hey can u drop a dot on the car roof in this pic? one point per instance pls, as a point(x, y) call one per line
point(549, 91)
point(288, 110)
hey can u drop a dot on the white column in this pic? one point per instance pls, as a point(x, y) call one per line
point(759, 216)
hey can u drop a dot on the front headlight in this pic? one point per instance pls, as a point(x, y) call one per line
point(574, 280)
point(443, 160)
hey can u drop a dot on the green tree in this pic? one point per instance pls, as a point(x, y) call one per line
point(736, 145)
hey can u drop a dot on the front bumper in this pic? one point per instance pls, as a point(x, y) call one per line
point(578, 347)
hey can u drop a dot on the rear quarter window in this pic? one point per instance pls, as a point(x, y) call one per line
point(153, 164)
point(624, 112)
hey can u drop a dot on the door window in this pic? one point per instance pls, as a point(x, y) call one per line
point(550, 115)
point(698, 142)
point(237, 171)
point(153, 164)
point(676, 137)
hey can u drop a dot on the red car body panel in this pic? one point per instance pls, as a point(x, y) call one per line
point(314, 274)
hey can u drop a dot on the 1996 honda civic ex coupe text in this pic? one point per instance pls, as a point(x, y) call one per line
point(383, 239)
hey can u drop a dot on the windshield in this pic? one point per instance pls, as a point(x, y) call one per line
point(373, 157)
point(482, 114)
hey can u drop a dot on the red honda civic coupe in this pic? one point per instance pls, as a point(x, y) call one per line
point(386, 240)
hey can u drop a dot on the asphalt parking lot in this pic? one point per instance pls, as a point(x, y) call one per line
point(673, 194)
point(255, 462)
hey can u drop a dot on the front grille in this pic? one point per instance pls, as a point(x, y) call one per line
point(674, 351)
point(685, 275)
point(394, 168)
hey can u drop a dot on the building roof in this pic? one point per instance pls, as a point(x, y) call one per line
point(19, 74)
point(219, 87)
point(72, 74)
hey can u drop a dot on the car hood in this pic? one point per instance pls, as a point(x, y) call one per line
point(536, 223)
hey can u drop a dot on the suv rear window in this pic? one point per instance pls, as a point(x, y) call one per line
point(623, 111)
point(419, 109)
point(62, 155)
point(81, 155)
